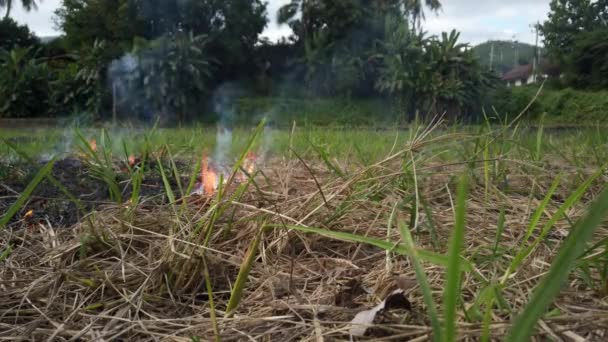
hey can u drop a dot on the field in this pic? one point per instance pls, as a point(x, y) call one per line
point(449, 232)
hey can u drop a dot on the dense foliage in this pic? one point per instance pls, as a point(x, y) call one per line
point(561, 106)
point(23, 83)
point(575, 38)
point(15, 35)
point(143, 59)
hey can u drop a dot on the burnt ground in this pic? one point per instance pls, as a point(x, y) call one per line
point(50, 203)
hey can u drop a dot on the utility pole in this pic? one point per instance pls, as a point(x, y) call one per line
point(536, 54)
point(501, 47)
point(535, 62)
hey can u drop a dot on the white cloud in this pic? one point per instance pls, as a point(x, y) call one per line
point(40, 21)
point(481, 20)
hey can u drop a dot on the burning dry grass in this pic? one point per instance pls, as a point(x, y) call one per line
point(142, 274)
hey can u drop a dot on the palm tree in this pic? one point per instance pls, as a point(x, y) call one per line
point(415, 8)
point(28, 5)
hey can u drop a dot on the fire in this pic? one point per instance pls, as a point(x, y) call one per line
point(249, 163)
point(93, 145)
point(209, 177)
point(29, 214)
point(133, 161)
point(210, 174)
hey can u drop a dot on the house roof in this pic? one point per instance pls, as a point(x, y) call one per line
point(518, 73)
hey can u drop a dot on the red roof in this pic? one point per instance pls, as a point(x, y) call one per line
point(520, 72)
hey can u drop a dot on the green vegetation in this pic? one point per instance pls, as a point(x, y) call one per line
point(203, 184)
point(575, 39)
point(565, 107)
point(117, 61)
point(525, 196)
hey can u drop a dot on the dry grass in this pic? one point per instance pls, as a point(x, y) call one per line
point(115, 278)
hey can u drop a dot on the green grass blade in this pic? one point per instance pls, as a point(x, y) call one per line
point(325, 157)
point(429, 221)
point(6, 252)
point(452, 289)
point(434, 258)
point(569, 202)
point(499, 230)
point(389, 228)
point(86, 147)
point(241, 279)
point(550, 286)
point(168, 190)
point(176, 174)
point(15, 207)
point(216, 330)
point(422, 280)
point(541, 209)
point(539, 139)
point(531, 226)
point(487, 318)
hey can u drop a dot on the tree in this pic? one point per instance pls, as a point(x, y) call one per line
point(87, 21)
point(415, 9)
point(432, 75)
point(168, 75)
point(232, 26)
point(339, 17)
point(338, 39)
point(587, 65)
point(15, 35)
point(28, 5)
point(23, 83)
point(567, 19)
point(574, 40)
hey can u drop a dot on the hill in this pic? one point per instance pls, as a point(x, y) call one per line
point(48, 39)
point(506, 54)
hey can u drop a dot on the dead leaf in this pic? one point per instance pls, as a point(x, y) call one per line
point(364, 319)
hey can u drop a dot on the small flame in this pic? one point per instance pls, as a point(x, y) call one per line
point(29, 214)
point(132, 160)
point(208, 177)
point(249, 162)
point(93, 145)
point(210, 174)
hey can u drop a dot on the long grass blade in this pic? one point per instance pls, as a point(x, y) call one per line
point(241, 279)
point(452, 289)
point(399, 248)
point(422, 280)
point(550, 286)
point(568, 203)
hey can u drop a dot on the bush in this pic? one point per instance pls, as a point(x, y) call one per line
point(315, 111)
point(24, 84)
point(14, 35)
point(565, 106)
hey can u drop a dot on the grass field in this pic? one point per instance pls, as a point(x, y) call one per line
point(480, 232)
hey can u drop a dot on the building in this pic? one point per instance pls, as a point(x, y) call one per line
point(520, 75)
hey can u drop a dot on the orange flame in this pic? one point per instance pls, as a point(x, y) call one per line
point(208, 177)
point(93, 145)
point(132, 160)
point(249, 163)
point(29, 214)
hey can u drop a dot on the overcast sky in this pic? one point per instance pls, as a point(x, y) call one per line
point(478, 20)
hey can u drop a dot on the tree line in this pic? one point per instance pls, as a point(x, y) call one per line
point(149, 58)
